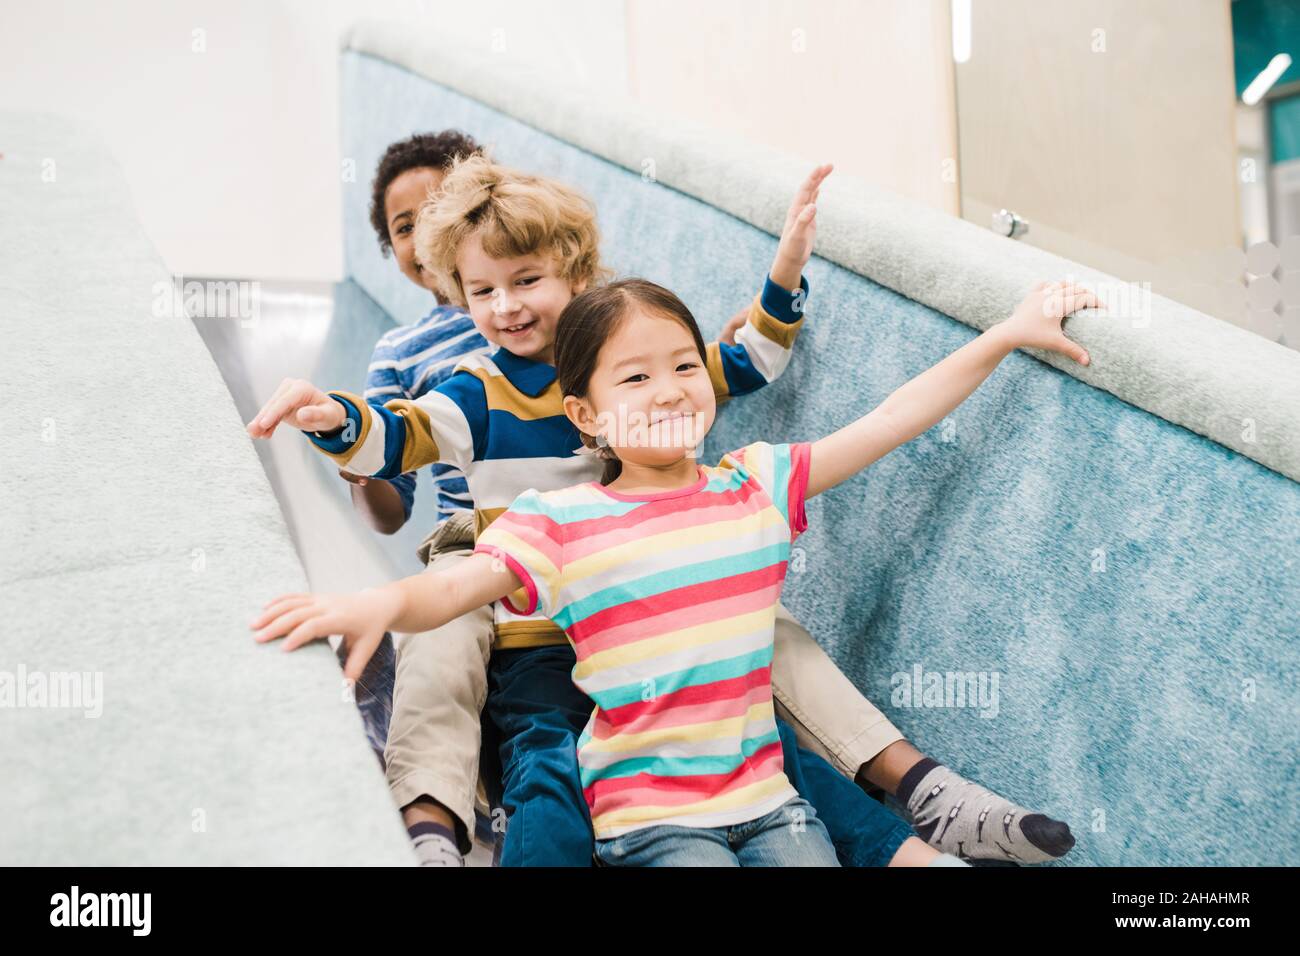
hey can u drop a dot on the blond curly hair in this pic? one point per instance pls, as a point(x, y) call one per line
point(513, 214)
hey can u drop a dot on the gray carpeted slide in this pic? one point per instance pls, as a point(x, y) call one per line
point(139, 723)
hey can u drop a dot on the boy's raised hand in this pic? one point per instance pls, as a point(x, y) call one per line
point(301, 404)
point(728, 333)
point(1036, 322)
point(361, 618)
point(800, 231)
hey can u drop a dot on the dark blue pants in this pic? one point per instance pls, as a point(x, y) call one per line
point(537, 716)
point(865, 832)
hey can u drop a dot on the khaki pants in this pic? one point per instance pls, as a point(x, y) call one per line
point(438, 694)
point(828, 713)
point(441, 685)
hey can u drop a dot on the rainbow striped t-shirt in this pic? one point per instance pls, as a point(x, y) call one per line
point(669, 600)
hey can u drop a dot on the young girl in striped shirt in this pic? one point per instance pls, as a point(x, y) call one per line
point(665, 576)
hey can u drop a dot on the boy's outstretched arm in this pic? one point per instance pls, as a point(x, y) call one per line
point(763, 343)
point(421, 602)
point(299, 404)
point(926, 399)
point(381, 441)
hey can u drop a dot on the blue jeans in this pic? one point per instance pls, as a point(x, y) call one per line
point(791, 835)
point(862, 831)
point(537, 715)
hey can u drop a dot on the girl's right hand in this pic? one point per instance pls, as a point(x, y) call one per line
point(1036, 322)
point(301, 404)
point(362, 618)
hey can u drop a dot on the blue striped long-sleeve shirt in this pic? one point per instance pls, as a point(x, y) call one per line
point(411, 360)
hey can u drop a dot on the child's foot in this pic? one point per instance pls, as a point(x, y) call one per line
point(435, 844)
point(956, 816)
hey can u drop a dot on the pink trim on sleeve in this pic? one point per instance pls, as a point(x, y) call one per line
point(800, 461)
point(529, 585)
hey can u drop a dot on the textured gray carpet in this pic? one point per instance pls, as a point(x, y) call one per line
point(1220, 381)
point(139, 536)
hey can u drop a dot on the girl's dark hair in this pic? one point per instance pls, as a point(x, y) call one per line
point(421, 151)
point(587, 323)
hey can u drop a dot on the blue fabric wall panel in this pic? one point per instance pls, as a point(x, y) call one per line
point(1130, 583)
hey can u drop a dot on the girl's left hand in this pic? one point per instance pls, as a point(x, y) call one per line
point(1036, 323)
point(362, 618)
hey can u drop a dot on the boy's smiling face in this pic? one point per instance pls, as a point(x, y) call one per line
point(402, 201)
point(515, 303)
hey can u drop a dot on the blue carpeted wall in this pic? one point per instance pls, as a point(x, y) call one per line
point(1130, 586)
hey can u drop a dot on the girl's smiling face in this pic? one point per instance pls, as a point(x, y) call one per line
point(650, 395)
point(515, 303)
point(402, 201)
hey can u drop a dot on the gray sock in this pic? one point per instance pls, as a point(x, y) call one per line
point(947, 859)
point(435, 845)
point(956, 816)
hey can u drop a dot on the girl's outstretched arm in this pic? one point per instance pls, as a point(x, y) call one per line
point(926, 399)
point(421, 602)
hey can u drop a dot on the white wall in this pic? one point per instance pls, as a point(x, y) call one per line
point(231, 145)
point(867, 84)
point(231, 151)
point(1111, 127)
